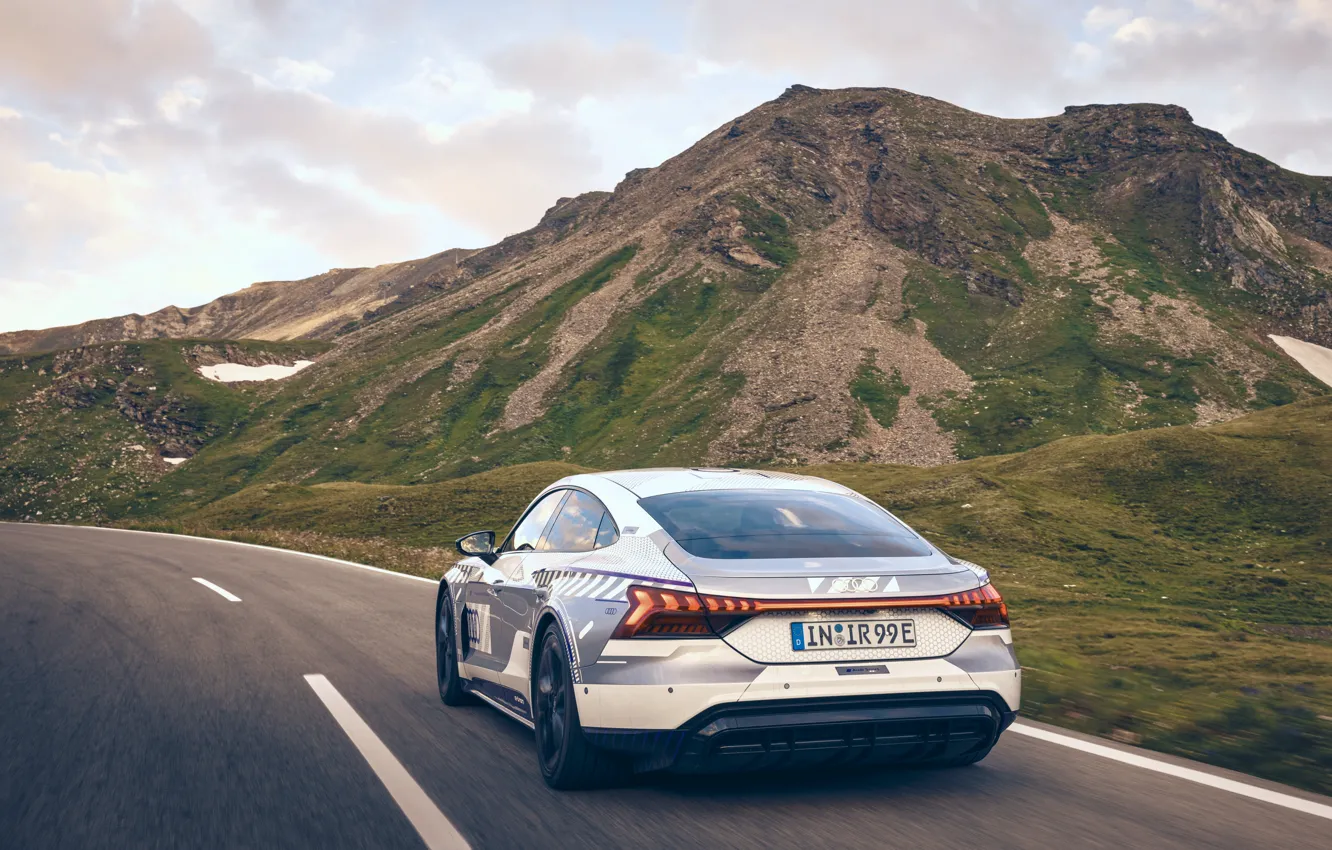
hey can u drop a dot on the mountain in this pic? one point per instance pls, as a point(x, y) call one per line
point(314, 308)
point(850, 275)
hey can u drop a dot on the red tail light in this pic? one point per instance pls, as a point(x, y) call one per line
point(981, 609)
point(658, 612)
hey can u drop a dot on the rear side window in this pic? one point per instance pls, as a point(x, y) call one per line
point(733, 524)
point(577, 526)
point(606, 534)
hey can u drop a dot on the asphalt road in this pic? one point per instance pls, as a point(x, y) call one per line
point(140, 708)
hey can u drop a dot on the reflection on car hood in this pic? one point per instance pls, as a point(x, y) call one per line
point(833, 578)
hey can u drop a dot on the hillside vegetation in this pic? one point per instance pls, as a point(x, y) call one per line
point(1171, 587)
point(83, 432)
point(858, 275)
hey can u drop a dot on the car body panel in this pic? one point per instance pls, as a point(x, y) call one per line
point(661, 684)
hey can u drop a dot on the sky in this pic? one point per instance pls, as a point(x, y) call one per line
point(157, 152)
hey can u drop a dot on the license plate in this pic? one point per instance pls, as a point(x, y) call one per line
point(852, 634)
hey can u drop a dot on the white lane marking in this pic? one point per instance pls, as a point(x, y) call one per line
point(1254, 792)
point(430, 823)
point(225, 594)
point(231, 543)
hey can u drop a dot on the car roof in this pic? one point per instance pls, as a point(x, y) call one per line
point(645, 483)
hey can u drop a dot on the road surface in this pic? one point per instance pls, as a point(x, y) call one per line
point(140, 707)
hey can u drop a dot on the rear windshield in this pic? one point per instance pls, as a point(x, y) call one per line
point(781, 524)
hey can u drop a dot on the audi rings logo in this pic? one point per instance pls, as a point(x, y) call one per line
point(855, 584)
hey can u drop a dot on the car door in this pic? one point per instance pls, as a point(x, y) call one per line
point(575, 531)
point(489, 626)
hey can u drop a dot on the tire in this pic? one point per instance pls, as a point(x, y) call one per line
point(566, 758)
point(446, 654)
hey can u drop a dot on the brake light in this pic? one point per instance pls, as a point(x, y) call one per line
point(657, 612)
point(981, 609)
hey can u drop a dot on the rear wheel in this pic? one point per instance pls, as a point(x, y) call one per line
point(446, 654)
point(567, 759)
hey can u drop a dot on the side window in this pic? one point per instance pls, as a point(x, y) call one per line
point(527, 533)
point(576, 528)
point(606, 534)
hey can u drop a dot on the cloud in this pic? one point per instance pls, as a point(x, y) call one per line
point(104, 56)
point(1106, 18)
point(1143, 30)
point(570, 67)
point(1222, 41)
point(184, 97)
point(333, 220)
point(300, 75)
point(1309, 139)
point(497, 174)
point(998, 53)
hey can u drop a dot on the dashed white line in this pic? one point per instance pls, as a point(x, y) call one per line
point(225, 594)
point(1253, 792)
point(430, 823)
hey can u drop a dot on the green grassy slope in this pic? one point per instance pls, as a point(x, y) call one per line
point(1170, 587)
point(608, 406)
point(422, 516)
point(81, 431)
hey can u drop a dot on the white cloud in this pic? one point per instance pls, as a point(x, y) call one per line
point(104, 56)
point(1139, 30)
point(185, 96)
point(1086, 52)
point(567, 68)
point(294, 74)
point(1308, 140)
point(497, 174)
point(1004, 56)
point(1106, 18)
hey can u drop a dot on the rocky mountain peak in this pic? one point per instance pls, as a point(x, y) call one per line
point(837, 275)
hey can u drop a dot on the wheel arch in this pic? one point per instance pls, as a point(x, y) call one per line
point(552, 617)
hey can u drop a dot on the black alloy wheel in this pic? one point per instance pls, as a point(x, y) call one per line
point(552, 703)
point(446, 654)
point(566, 758)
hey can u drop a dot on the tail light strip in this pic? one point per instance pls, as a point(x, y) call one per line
point(656, 612)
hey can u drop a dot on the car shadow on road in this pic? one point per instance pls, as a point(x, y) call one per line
point(852, 780)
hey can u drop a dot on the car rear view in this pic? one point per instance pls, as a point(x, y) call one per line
point(813, 628)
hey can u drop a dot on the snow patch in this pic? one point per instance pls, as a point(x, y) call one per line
point(1316, 359)
point(229, 373)
point(175, 461)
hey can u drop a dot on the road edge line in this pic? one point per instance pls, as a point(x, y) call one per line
point(223, 540)
point(1189, 774)
point(434, 827)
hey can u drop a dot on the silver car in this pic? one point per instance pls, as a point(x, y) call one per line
point(702, 620)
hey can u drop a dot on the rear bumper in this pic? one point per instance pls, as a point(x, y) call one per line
point(817, 732)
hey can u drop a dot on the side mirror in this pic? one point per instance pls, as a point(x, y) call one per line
point(478, 544)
